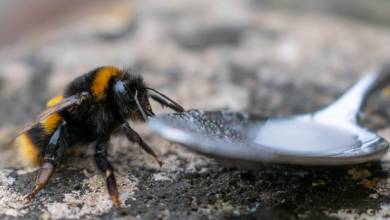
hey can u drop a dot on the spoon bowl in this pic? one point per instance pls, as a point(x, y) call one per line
point(331, 136)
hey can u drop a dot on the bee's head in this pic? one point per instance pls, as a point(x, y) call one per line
point(132, 98)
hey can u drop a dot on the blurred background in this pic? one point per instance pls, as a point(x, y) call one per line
point(215, 55)
point(273, 57)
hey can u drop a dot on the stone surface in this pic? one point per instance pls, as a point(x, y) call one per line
point(237, 55)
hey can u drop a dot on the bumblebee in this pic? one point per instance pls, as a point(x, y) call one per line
point(93, 107)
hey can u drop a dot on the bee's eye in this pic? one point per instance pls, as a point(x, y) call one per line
point(120, 87)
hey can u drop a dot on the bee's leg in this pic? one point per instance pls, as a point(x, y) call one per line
point(134, 137)
point(107, 170)
point(52, 157)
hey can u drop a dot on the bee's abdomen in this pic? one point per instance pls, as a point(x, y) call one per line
point(28, 150)
point(32, 143)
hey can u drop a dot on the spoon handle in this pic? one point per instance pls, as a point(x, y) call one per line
point(349, 105)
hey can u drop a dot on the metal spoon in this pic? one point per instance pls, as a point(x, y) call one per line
point(331, 136)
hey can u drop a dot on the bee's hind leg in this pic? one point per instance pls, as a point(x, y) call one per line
point(52, 156)
point(108, 171)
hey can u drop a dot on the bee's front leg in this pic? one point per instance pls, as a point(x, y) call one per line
point(134, 137)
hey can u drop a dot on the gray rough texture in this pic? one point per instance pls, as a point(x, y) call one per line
point(229, 54)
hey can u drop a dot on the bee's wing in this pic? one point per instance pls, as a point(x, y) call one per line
point(62, 105)
point(65, 103)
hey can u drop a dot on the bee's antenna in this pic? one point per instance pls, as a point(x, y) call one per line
point(139, 106)
point(175, 106)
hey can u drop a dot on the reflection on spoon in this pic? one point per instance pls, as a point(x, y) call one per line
point(304, 137)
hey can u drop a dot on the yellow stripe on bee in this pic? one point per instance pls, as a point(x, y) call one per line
point(101, 82)
point(51, 123)
point(54, 101)
point(28, 152)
